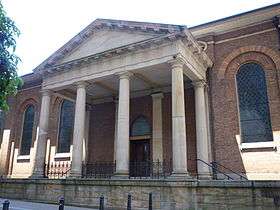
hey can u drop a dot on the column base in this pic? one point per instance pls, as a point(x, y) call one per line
point(205, 176)
point(180, 176)
point(37, 175)
point(121, 175)
point(74, 174)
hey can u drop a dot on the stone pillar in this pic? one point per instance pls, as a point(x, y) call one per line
point(116, 127)
point(79, 131)
point(85, 141)
point(157, 127)
point(40, 152)
point(202, 143)
point(179, 145)
point(11, 162)
point(122, 143)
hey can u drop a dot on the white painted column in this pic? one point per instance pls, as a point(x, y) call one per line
point(122, 143)
point(157, 127)
point(202, 143)
point(79, 131)
point(179, 145)
point(40, 152)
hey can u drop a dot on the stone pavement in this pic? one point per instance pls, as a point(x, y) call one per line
point(24, 205)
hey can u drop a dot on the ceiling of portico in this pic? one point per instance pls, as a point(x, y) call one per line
point(142, 82)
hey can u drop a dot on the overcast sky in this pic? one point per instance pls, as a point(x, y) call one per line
point(46, 25)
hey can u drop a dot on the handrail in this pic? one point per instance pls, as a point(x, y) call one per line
point(219, 164)
point(215, 169)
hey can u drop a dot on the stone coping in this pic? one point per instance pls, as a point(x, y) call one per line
point(149, 182)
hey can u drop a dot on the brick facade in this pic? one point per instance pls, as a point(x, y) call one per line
point(258, 43)
point(228, 56)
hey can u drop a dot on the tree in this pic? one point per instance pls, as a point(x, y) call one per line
point(9, 79)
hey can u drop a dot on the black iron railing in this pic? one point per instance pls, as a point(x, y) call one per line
point(98, 170)
point(57, 170)
point(218, 167)
point(150, 169)
point(137, 169)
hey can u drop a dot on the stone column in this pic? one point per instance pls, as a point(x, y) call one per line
point(85, 141)
point(179, 145)
point(122, 143)
point(202, 143)
point(157, 127)
point(79, 131)
point(116, 127)
point(40, 152)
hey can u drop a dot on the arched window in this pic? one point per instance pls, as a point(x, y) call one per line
point(66, 122)
point(27, 130)
point(140, 127)
point(253, 104)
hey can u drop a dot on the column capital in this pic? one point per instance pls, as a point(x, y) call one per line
point(177, 61)
point(199, 84)
point(81, 84)
point(46, 92)
point(158, 95)
point(124, 74)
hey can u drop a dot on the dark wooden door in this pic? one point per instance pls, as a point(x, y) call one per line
point(139, 158)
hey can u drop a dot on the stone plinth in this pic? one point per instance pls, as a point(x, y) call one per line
point(166, 194)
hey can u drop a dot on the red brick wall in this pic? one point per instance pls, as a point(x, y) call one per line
point(228, 56)
point(102, 126)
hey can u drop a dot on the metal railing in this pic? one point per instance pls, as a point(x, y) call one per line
point(98, 170)
point(137, 170)
point(219, 167)
point(150, 169)
point(57, 170)
point(214, 170)
point(215, 167)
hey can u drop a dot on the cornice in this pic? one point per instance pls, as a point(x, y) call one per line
point(112, 52)
point(189, 41)
point(236, 22)
point(100, 24)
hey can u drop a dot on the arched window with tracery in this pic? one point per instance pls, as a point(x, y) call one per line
point(254, 111)
point(27, 130)
point(140, 127)
point(66, 122)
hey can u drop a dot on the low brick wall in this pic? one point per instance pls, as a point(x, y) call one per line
point(167, 194)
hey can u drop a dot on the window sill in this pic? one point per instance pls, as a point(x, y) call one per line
point(258, 145)
point(23, 157)
point(62, 155)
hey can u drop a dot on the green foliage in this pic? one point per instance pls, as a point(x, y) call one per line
point(9, 79)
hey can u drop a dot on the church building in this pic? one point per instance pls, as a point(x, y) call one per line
point(129, 100)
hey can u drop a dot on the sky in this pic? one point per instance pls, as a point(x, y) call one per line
point(46, 25)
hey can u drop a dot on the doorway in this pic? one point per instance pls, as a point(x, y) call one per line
point(139, 158)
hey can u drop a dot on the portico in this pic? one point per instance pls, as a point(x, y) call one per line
point(154, 62)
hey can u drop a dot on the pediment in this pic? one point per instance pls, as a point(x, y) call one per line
point(103, 35)
point(103, 40)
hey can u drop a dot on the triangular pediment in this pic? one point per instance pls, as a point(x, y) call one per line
point(104, 40)
point(103, 35)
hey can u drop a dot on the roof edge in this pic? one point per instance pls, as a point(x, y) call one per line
point(264, 14)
